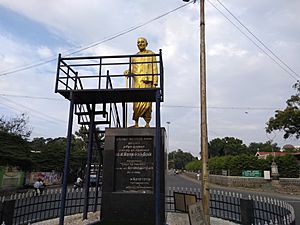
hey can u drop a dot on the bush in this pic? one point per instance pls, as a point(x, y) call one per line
point(195, 166)
point(287, 165)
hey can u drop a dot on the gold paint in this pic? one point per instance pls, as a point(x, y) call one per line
point(143, 109)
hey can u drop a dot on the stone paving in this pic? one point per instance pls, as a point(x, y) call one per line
point(172, 219)
point(183, 219)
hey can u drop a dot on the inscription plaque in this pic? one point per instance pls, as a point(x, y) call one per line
point(134, 164)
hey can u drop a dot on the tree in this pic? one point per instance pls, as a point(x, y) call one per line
point(180, 158)
point(14, 151)
point(195, 165)
point(262, 147)
point(49, 154)
point(288, 166)
point(236, 164)
point(16, 125)
point(287, 120)
point(216, 147)
point(226, 146)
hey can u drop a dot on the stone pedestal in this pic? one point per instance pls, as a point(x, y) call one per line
point(128, 194)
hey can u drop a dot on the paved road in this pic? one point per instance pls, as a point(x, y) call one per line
point(186, 182)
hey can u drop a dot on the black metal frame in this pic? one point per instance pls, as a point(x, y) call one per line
point(33, 208)
point(109, 83)
point(225, 205)
point(75, 80)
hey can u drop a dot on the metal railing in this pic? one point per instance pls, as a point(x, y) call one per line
point(89, 73)
point(227, 205)
point(29, 208)
point(109, 111)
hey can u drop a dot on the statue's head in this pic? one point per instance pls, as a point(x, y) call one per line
point(142, 43)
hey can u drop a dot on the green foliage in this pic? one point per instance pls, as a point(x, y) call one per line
point(15, 125)
point(287, 120)
point(287, 166)
point(49, 154)
point(226, 146)
point(236, 164)
point(262, 147)
point(40, 154)
point(217, 164)
point(14, 151)
point(195, 165)
point(178, 159)
point(52, 155)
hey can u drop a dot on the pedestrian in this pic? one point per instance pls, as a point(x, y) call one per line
point(78, 183)
point(36, 187)
point(42, 186)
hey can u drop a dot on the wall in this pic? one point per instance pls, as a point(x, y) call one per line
point(49, 178)
point(11, 177)
point(290, 185)
point(233, 181)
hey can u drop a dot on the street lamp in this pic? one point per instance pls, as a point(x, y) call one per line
point(203, 125)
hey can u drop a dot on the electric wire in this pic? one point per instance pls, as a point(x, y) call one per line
point(39, 114)
point(163, 105)
point(222, 107)
point(32, 97)
point(114, 36)
point(250, 39)
point(258, 39)
point(129, 30)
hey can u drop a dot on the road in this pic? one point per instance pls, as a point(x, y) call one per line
point(186, 182)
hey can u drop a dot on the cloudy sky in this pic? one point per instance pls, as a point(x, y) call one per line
point(244, 84)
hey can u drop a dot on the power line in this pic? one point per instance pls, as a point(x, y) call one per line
point(22, 68)
point(40, 114)
point(258, 39)
point(287, 71)
point(129, 30)
point(222, 107)
point(32, 97)
point(167, 106)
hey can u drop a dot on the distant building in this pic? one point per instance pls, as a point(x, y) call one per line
point(264, 155)
point(289, 147)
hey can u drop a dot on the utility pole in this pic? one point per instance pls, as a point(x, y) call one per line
point(204, 145)
point(203, 126)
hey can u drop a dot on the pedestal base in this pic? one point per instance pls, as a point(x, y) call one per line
point(128, 194)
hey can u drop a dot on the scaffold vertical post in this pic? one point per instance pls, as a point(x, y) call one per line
point(157, 161)
point(89, 161)
point(67, 159)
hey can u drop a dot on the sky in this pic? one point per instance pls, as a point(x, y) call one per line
point(246, 83)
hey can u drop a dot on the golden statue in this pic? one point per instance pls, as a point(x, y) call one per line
point(143, 109)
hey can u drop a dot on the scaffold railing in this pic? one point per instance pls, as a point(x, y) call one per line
point(98, 79)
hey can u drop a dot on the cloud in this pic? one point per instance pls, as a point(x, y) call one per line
point(44, 52)
point(226, 50)
point(238, 73)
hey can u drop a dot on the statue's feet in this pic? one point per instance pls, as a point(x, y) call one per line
point(147, 125)
point(134, 126)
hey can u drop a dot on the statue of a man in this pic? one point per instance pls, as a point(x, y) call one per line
point(148, 79)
